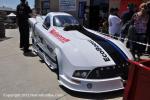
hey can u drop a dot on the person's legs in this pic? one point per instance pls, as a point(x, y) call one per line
point(26, 32)
point(132, 49)
point(21, 36)
point(140, 48)
point(123, 36)
point(131, 38)
point(116, 36)
point(26, 38)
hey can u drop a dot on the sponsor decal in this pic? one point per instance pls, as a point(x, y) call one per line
point(107, 37)
point(105, 57)
point(59, 36)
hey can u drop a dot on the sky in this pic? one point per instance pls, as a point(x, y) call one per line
point(14, 3)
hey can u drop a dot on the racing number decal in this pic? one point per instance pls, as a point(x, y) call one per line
point(100, 50)
point(59, 36)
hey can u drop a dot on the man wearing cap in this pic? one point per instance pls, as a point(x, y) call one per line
point(23, 13)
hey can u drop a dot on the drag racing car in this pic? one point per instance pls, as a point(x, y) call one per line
point(85, 60)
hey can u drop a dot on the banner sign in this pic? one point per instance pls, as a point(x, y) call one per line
point(82, 5)
point(67, 5)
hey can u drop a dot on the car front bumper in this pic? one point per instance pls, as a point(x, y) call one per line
point(92, 85)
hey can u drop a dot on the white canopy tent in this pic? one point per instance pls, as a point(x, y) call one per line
point(11, 15)
point(11, 18)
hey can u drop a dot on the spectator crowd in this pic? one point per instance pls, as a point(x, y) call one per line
point(134, 24)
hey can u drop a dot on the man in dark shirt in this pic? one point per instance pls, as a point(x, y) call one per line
point(23, 13)
point(128, 14)
point(126, 19)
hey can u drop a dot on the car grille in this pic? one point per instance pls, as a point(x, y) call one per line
point(109, 72)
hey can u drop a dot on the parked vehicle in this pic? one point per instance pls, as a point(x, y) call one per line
point(10, 23)
point(85, 60)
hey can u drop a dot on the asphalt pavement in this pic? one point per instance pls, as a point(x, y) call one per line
point(26, 77)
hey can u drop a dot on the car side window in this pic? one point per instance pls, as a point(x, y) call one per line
point(46, 23)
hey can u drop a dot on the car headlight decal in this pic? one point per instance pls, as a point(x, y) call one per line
point(81, 73)
point(97, 73)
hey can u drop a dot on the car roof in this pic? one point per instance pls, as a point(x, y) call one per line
point(58, 13)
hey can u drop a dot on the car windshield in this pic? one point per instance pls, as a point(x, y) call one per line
point(64, 20)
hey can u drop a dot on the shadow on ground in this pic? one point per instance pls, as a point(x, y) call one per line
point(5, 38)
point(42, 61)
point(30, 54)
point(94, 96)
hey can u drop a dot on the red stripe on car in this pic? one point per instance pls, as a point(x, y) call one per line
point(59, 36)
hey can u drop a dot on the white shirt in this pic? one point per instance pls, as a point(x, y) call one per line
point(114, 24)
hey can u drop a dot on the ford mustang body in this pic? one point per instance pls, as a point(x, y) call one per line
point(85, 60)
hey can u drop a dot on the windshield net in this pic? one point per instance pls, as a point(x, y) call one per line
point(63, 20)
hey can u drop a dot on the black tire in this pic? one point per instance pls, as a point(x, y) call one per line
point(57, 70)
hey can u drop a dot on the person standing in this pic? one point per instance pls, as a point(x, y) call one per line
point(129, 13)
point(114, 23)
point(140, 21)
point(126, 20)
point(23, 13)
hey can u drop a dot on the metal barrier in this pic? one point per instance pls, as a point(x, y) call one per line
point(125, 39)
point(138, 84)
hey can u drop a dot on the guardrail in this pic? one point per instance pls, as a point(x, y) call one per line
point(138, 84)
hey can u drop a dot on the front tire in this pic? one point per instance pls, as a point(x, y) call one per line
point(57, 70)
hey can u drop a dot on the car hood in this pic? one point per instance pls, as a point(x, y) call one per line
point(81, 50)
point(83, 47)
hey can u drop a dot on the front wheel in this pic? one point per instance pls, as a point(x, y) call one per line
point(57, 69)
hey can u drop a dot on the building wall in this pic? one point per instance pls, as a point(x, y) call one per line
point(38, 6)
point(54, 7)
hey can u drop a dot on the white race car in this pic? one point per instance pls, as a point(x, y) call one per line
point(85, 60)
